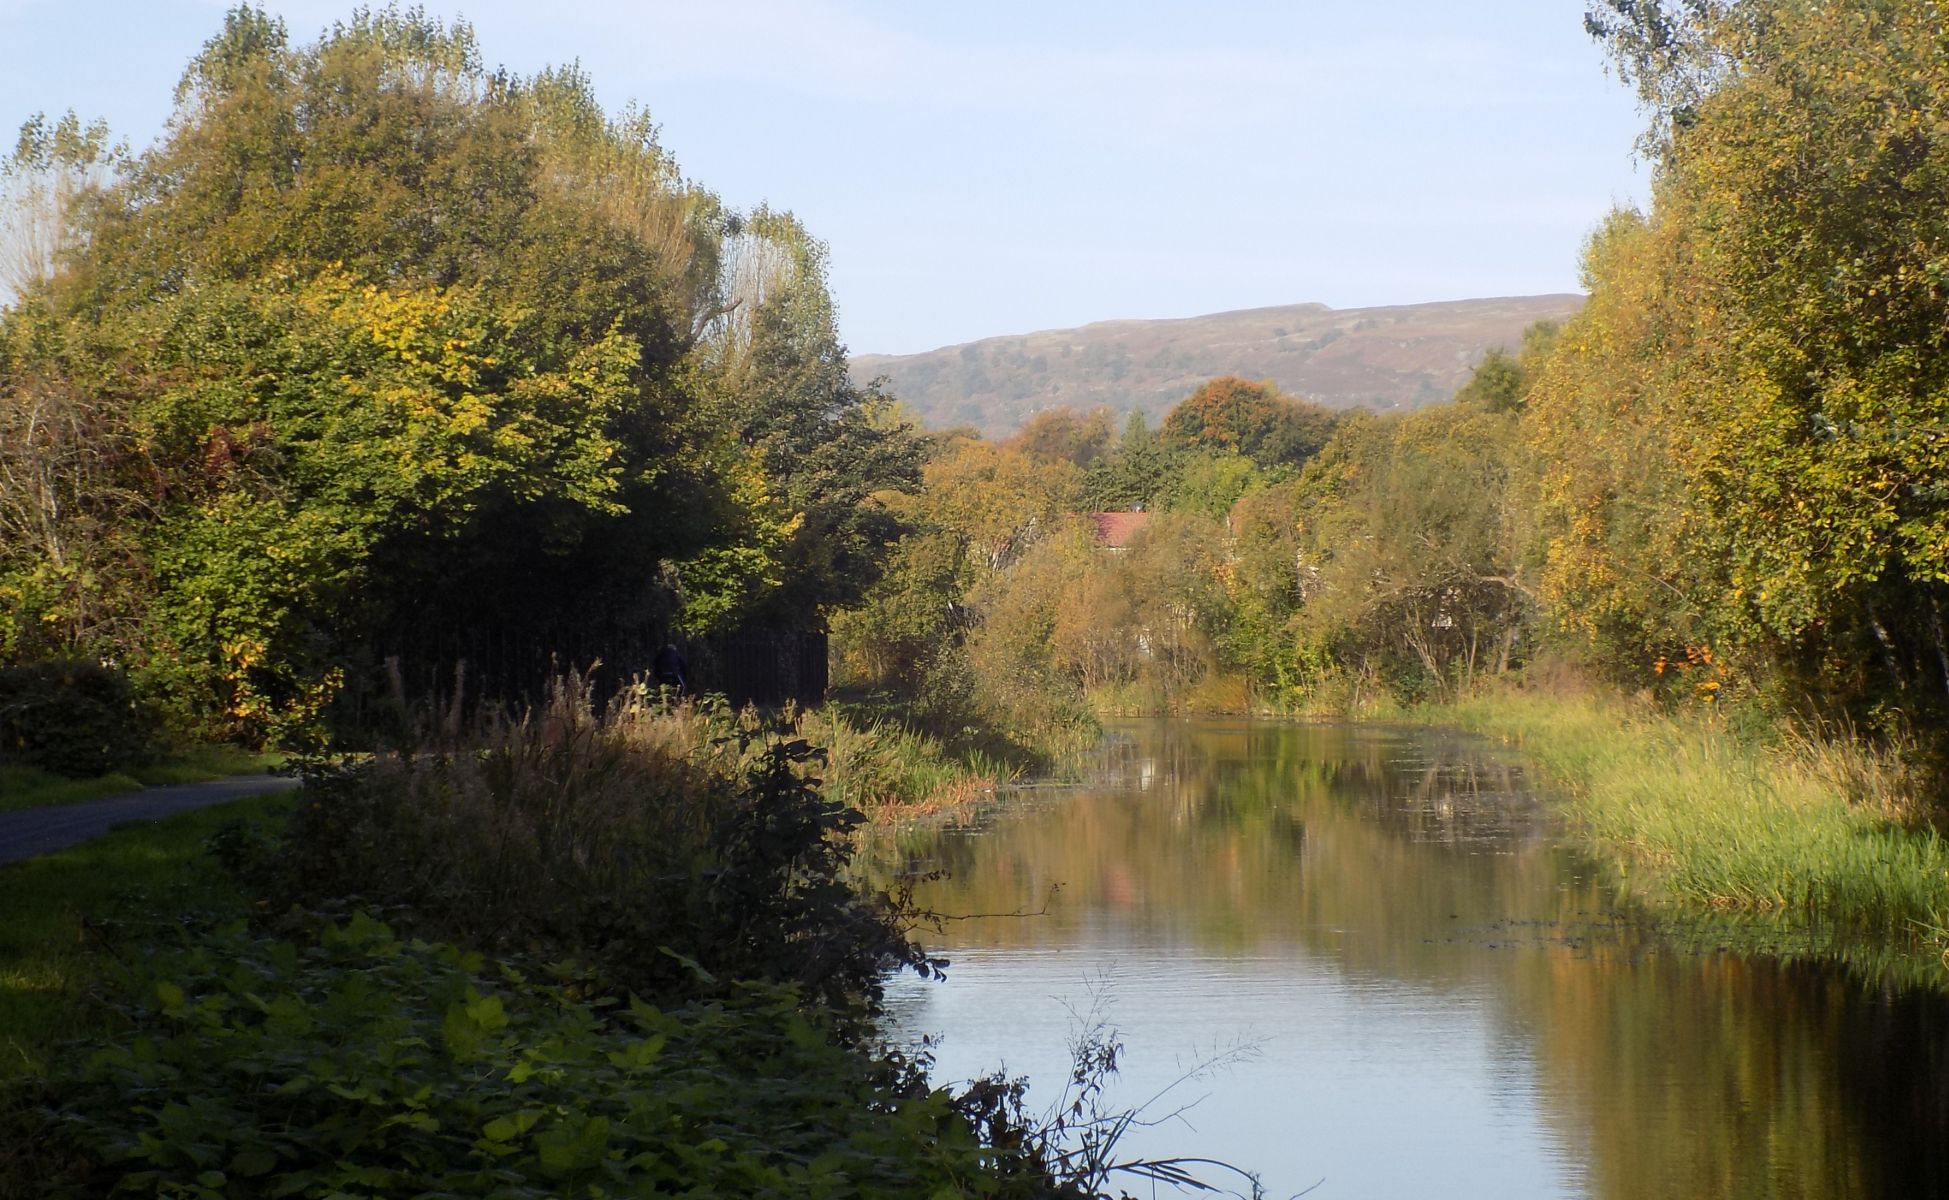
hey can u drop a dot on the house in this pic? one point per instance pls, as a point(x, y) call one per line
point(1114, 530)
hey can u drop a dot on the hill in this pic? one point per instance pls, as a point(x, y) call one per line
point(1399, 357)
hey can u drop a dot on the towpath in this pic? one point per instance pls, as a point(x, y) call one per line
point(35, 831)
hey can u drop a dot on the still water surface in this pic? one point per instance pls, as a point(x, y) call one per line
point(1434, 998)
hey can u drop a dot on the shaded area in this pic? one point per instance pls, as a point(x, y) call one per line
point(35, 831)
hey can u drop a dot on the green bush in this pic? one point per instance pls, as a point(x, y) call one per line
point(72, 717)
point(366, 1065)
point(668, 849)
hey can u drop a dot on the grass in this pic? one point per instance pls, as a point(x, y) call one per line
point(57, 909)
point(29, 787)
point(1689, 815)
point(889, 771)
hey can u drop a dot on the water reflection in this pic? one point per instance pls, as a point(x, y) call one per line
point(1443, 1002)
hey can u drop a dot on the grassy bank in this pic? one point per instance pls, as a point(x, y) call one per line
point(619, 956)
point(30, 787)
point(1692, 816)
point(890, 772)
point(61, 910)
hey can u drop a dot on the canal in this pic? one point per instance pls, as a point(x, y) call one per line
point(1358, 956)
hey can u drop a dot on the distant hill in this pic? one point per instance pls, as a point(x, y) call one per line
point(1400, 357)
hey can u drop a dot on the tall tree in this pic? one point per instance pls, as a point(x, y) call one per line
point(379, 352)
point(1784, 308)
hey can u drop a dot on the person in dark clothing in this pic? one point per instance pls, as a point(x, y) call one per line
point(671, 668)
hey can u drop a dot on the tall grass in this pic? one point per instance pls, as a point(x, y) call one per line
point(1215, 693)
point(667, 845)
point(886, 770)
point(1820, 828)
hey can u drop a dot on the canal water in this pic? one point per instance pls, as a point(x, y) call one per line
point(1355, 956)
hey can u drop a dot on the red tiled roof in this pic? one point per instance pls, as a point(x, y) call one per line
point(1115, 529)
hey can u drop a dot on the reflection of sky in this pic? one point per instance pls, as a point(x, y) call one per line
point(1214, 898)
point(1380, 1089)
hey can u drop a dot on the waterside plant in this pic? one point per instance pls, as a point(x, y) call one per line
point(1691, 813)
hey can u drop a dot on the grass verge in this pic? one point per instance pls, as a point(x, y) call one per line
point(1691, 816)
point(30, 787)
point(55, 909)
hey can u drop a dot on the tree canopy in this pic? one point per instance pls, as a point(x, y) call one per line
point(377, 352)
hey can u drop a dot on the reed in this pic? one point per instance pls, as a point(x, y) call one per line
point(887, 770)
point(1821, 828)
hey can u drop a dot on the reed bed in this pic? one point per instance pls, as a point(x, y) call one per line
point(889, 771)
point(1824, 828)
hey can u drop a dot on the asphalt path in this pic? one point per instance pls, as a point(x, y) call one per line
point(33, 831)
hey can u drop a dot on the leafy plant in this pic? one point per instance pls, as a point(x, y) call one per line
point(365, 1064)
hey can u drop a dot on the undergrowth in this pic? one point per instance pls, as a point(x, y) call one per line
point(567, 954)
point(359, 1063)
point(669, 847)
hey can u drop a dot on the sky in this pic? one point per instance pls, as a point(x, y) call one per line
point(1002, 167)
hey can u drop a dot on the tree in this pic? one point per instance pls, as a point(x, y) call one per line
point(1133, 475)
point(1405, 554)
point(1781, 313)
point(52, 171)
point(1252, 419)
point(377, 352)
point(1061, 435)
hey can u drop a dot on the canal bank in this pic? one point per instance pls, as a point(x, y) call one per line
point(1818, 846)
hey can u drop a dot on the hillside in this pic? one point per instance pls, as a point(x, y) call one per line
point(1400, 357)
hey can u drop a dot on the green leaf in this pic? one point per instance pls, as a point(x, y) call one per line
point(171, 996)
point(501, 1129)
point(254, 1161)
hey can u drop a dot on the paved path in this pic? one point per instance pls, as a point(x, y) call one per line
point(33, 831)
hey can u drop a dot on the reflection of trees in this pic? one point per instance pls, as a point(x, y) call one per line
point(1728, 1075)
point(1406, 856)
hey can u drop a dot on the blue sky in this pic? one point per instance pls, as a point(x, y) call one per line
point(992, 168)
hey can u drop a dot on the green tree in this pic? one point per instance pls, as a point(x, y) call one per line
point(1405, 552)
point(1133, 475)
point(1779, 322)
point(378, 352)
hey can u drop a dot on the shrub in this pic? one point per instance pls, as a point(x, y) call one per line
point(669, 849)
point(72, 717)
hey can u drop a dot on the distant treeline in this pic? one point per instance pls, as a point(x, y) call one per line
point(1725, 479)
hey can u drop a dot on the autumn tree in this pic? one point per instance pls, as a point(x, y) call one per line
point(1063, 435)
point(377, 352)
point(1772, 335)
point(1255, 420)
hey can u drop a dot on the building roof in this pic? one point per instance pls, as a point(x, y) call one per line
point(1115, 529)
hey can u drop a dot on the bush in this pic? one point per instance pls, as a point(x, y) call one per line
point(73, 718)
point(671, 850)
